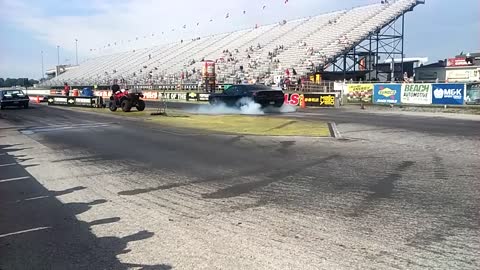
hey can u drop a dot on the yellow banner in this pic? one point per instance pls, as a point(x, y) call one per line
point(360, 92)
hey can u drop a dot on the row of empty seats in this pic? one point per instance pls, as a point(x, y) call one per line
point(256, 53)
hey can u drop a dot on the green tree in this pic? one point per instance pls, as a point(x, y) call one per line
point(9, 82)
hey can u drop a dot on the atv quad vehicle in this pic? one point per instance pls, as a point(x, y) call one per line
point(126, 100)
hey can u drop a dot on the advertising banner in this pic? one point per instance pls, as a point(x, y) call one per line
point(292, 99)
point(359, 92)
point(150, 94)
point(192, 96)
point(457, 62)
point(473, 94)
point(73, 101)
point(387, 93)
point(102, 93)
point(448, 93)
point(463, 75)
point(416, 93)
point(175, 96)
point(320, 100)
point(203, 97)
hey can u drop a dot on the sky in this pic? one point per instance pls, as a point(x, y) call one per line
point(439, 29)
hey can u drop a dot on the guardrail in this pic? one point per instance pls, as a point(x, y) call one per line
point(377, 93)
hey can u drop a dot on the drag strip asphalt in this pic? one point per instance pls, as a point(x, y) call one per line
point(395, 191)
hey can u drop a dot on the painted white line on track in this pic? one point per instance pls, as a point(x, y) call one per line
point(336, 133)
point(25, 231)
point(59, 128)
point(36, 198)
point(8, 164)
point(14, 179)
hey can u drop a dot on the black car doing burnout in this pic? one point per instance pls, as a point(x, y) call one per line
point(13, 98)
point(236, 95)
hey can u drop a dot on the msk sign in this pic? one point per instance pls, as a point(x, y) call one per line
point(448, 93)
point(387, 93)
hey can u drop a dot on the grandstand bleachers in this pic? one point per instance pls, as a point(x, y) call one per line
point(261, 52)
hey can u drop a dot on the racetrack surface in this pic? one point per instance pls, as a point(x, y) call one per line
point(398, 191)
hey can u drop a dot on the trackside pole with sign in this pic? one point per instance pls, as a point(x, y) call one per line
point(162, 105)
point(209, 75)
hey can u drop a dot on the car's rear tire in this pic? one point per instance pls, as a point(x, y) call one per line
point(112, 106)
point(140, 105)
point(126, 105)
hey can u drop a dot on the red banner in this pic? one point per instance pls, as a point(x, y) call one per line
point(457, 62)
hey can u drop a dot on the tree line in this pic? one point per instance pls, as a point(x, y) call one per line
point(10, 82)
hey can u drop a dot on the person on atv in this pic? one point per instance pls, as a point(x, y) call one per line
point(115, 88)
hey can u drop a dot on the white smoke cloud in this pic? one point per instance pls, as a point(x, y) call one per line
point(244, 106)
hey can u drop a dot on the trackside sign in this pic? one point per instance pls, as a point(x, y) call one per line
point(387, 93)
point(418, 93)
point(448, 93)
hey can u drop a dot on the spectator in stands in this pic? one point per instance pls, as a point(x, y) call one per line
point(66, 89)
point(149, 57)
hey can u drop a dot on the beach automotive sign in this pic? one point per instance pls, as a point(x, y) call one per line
point(416, 93)
point(387, 93)
point(448, 94)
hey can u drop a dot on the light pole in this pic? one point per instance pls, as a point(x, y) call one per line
point(58, 55)
point(76, 51)
point(58, 60)
point(43, 73)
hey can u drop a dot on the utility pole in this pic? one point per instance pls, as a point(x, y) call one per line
point(43, 73)
point(76, 51)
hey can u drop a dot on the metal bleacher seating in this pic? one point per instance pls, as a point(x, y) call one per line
point(258, 52)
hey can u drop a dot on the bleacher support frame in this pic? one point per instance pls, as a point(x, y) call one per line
point(386, 43)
